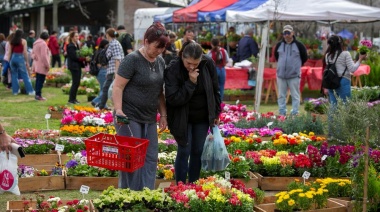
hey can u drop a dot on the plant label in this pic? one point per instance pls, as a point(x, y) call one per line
point(227, 175)
point(306, 151)
point(324, 157)
point(47, 116)
point(306, 175)
point(237, 101)
point(84, 189)
point(269, 124)
point(59, 147)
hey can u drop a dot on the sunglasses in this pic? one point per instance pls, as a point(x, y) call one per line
point(160, 32)
point(286, 33)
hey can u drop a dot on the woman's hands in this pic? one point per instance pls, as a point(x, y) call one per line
point(193, 75)
point(163, 123)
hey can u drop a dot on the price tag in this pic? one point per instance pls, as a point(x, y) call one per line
point(59, 147)
point(47, 116)
point(84, 189)
point(324, 157)
point(306, 175)
point(269, 124)
point(227, 175)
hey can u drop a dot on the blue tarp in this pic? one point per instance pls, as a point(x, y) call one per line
point(220, 15)
point(346, 34)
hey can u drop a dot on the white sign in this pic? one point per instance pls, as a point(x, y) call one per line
point(306, 175)
point(84, 189)
point(227, 175)
point(110, 149)
point(59, 147)
point(47, 116)
point(324, 157)
point(269, 124)
point(237, 101)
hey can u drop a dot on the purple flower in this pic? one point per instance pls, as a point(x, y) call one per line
point(71, 163)
point(84, 153)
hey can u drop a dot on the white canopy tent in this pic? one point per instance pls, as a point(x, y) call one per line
point(300, 10)
point(307, 10)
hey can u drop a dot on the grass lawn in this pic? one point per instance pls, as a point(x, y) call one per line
point(22, 111)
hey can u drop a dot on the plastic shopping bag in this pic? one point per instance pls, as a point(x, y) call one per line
point(208, 153)
point(221, 158)
point(8, 173)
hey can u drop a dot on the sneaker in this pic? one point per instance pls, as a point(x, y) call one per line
point(32, 93)
point(40, 98)
point(93, 104)
point(71, 102)
point(76, 101)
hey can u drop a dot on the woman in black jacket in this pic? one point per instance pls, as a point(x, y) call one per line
point(75, 64)
point(193, 106)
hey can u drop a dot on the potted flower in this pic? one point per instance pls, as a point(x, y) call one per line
point(318, 106)
point(365, 46)
point(355, 44)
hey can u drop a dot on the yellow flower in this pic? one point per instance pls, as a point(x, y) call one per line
point(286, 196)
point(291, 202)
point(301, 195)
point(279, 201)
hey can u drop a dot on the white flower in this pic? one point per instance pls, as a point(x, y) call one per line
point(83, 202)
point(78, 156)
point(83, 161)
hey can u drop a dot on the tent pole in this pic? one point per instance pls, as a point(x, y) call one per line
point(260, 71)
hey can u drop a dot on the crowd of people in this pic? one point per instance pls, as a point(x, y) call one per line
point(169, 76)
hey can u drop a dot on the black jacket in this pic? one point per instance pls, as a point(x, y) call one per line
point(73, 60)
point(179, 90)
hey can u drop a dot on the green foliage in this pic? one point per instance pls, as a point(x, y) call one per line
point(373, 60)
point(300, 123)
point(39, 149)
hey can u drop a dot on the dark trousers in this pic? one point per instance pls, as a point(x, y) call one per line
point(75, 76)
point(197, 134)
point(40, 80)
point(106, 86)
point(56, 58)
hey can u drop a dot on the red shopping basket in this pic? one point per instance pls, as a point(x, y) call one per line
point(116, 152)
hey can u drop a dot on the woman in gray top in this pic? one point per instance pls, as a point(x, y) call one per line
point(138, 95)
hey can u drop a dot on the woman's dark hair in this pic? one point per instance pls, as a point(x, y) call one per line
point(2, 37)
point(112, 33)
point(16, 40)
point(215, 48)
point(103, 44)
point(157, 33)
point(191, 49)
point(335, 46)
point(44, 35)
point(71, 36)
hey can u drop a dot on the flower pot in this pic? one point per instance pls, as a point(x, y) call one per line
point(363, 53)
point(56, 114)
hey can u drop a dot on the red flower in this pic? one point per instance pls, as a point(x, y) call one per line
point(258, 140)
point(238, 152)
point(75, 202)
point(236, 159)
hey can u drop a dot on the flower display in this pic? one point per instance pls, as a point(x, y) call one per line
point(55, 204)
point(364, 46)
point(25, 171)
point(211, 194)
point(35, 146)
point(167, 158)
point(58, 75)
point(85, 131)
point(165, 172)
point(87, 117)
point(77, 166)
point(316, 105)
point(35, 133)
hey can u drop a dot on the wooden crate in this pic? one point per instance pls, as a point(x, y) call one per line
point(40, 161)
point(95, 183)
point(332, 206)
point(56, 114)
point(253, 181)
point(277, 183)
point(17, 206)
point(41, 183)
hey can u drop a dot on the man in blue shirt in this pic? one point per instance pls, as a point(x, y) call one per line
point(247, 46)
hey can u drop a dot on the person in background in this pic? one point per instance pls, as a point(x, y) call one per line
point(138, 94)
point(290, 55)
point(90, 42)
point(2, 47)
point(170, 52)
point(100, 38)
point(344, 67)
point(193, 106)
point(247, 46)
point(115, 55)
point(220, 57)
point(5, 140)
point(187, 36)
point(75, 65)
point(30, 40)
point(19, 63)
point(41, 64)
point(6, 72)
point(54, 49)
point(101, 77)
point(125, 39)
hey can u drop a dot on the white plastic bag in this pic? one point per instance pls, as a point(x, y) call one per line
point(8, 173)
point(214, 156)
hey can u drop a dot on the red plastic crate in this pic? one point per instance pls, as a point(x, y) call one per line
point(116, 152)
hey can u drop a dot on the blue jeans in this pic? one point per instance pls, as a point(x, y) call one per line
point(101, 79)
point(283, 85)
point(343, 93)
point(18, 68)
point(5, 68)
point(40, 80)
point(197, 134)
point(222, 80)
point(146, 175)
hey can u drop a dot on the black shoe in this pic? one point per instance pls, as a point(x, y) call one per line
point(71, 102)
point(93, 104)
point(76, 101)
